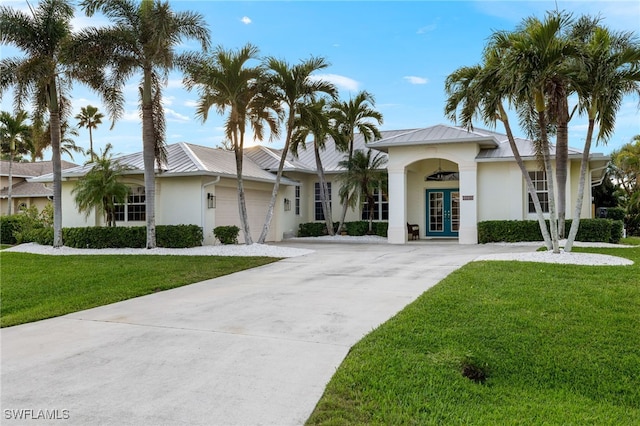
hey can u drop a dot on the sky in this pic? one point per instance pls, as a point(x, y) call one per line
point(399, 51)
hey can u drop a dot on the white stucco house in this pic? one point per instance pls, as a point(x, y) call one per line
point(443, 178)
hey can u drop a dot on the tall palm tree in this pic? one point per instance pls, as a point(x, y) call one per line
point(314, 119)
point(356, 116)
point(101, 189)
point(291, 85)
point(609, 70)
point(40, 75)
point(41, 138)
point(142, 41)
point(363, 175)
point(14, 132)
point(89, 117)
point(225, 81)
point(481, 91)
point(534, 60)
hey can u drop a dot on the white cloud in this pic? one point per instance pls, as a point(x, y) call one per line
point(340, 81)
point(190, 103)
point(427, 29)
point(412, 79)
point(175, 116)
point(245, 20)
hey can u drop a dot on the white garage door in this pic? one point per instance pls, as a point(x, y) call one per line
point(257, 204)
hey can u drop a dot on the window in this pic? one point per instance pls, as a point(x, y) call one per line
point(380, 208)
point(297, 200)
point(539, 179)
point(319, 215)
point(134, 210)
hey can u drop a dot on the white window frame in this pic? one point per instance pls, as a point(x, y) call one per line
point(318, 214)
point(381, 200)
point(134, 209)
point(539, 180)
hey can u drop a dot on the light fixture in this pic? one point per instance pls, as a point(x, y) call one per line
point(442, 175)
point(211, 201)
point(287, 204)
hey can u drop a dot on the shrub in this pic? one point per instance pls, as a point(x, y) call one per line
point(381, 228)
point(511, 231)
point(615, 213)
point(179, 236)
point(8, 226)
point(616, 231)
point(358, 228)
point(312, 229)
point(227, 234)
point(170, 236)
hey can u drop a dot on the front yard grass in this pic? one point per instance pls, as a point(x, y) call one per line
point(541, 343)
point(35, 287)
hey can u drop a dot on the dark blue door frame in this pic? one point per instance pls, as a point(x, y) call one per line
point(443, 212)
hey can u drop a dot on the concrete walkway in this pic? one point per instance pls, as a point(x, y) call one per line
point(253, 348)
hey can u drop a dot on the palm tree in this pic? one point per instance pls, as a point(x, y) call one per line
point(291, 85)
point(14, 132)
point(101, 187)
point(40, 74)
point(609, 63)
point(90, 118)
point(356, 115)
point(41, 138)
point(224, 81)
point(480, 91)
point(314, 120)
point(363, 175)
point(142, 40)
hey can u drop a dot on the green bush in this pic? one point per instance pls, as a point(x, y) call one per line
point(179, 236)
point(615, 213)
point(511, 231)
point(381, 228)
point(312, 229)
point(227, 234)
point(358, 228)
point(170, 236)
point(8, 226)
point(616, 231)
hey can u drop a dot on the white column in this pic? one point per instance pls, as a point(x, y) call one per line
point(468, 204)
point(397, 233)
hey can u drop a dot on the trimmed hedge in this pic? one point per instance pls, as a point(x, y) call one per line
point(357, 228)
point(616, 213)
point(227, 234)
point(8, 225)
point(170, 236)
point(511, 231)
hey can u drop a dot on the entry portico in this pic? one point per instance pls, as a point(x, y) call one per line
point(433, 181)
point(447, 179)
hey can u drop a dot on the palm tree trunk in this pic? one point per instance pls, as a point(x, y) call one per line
point(54, 122)
point(324, 191)
point(525, 173)
point(562, 152)
point(10, 188)
point(242, 203)
point(575, 223)
point(148, 156)
point(91, 156)
point(343, 215)
point(553, 218)
point(276, 185)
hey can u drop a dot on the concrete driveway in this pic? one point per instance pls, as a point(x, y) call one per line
point(253, 348)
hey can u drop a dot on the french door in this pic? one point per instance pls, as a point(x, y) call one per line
point(443, 212)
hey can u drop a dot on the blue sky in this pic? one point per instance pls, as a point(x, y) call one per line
point(401, 52)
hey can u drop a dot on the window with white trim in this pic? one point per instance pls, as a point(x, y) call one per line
point(380, 207)
point(319, 214)
point(134, 209)
point(297, 200)
point(539, 180)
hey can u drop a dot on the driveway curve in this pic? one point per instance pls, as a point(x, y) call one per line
point(253, 348)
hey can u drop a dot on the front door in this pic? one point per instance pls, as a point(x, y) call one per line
point(443, 212)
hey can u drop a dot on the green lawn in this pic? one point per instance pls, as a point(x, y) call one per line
point(557, 344)
point(35, 287)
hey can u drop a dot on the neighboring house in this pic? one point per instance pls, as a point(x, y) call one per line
point(444, 178)
point(26, 193)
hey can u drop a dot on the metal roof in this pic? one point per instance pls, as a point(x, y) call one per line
point(185, 159)
point(25, 170)
point(438, 134)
